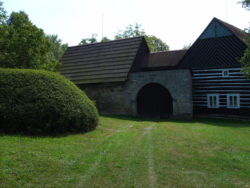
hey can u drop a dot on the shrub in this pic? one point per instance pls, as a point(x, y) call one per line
point(41, 102)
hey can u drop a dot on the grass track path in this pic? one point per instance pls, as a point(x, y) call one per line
point(129, 152)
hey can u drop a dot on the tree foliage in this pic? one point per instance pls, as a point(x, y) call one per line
point(57, 48)
point(3, 14)
point(23, 45)
point(245, 60)
point(130, 31)
point(155, 44)
point(93, 39)
point(246, 4)
point(105, 39)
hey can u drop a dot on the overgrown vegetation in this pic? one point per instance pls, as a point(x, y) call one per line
point(129, 152)
point(41, 102)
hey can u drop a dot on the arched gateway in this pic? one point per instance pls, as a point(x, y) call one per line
point(154, 100)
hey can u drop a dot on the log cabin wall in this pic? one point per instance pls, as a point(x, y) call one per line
point(223, 91)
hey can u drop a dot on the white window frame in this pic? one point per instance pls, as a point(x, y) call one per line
point(225, 71)
point(216, 103)
point(231, 105)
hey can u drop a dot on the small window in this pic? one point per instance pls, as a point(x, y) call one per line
point(225, 73)
point(213, 101)
point(233, 100)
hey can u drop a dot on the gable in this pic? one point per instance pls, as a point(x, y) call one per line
point(221, 45)
point(219, 52)
point(215, 29)
point(100, 62)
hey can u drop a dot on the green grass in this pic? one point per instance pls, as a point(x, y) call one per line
point(129, 152)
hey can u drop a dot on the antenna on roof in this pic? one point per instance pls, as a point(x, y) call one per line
point(226, 9)
point(102, 24)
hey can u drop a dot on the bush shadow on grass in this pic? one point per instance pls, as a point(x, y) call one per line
point(214, 121)
point(143, 119)
point(151, 119)
point(52, 135)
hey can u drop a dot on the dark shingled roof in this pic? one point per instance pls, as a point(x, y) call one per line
point(100, 62)
point(164, 60)
point(216, 52)
point(222, 52)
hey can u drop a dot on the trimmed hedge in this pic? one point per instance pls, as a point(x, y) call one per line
point(41, 102)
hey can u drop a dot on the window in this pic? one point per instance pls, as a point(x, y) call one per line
point(233, 100)
point(213, 101)
point(225, 73)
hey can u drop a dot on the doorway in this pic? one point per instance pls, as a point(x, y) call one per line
point(154, 100)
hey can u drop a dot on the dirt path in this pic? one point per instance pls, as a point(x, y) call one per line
point(92, 169)
point(150, 158)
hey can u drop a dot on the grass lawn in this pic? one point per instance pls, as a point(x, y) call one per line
point(129, 152)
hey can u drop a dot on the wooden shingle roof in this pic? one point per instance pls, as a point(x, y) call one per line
point(164, 60)
point(222, 52)
point(220, 45)
point(100, 62)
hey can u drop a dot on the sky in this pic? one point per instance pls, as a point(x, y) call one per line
point(177, 23)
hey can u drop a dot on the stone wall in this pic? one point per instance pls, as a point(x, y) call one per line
point(120, 98)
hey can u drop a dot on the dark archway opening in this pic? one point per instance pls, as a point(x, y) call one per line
point(154, 100)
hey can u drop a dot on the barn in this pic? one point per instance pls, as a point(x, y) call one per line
point(123, 77)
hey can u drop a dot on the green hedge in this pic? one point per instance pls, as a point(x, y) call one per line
point(41, 102)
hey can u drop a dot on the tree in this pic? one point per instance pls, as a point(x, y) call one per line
point(23, 45)
point(105, 39)
point(3, 15)
point(91, 40)
point(155, 44)
point(57, 49)
point(245, 60)
point(246, 4)
point(130, 31)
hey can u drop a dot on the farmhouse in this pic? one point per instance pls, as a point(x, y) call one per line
point(123, 77)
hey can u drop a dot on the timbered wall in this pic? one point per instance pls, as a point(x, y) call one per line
point(212, 82)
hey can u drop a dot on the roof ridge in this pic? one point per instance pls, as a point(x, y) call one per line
point(228, 24)
point(169, 51)
point(241, 34)
point(105, 42)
